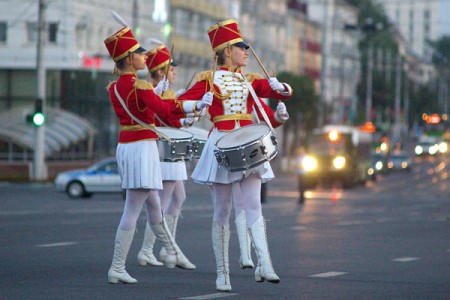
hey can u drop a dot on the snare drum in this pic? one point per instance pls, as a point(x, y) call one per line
point(246, 147)
point(200, 137)
point(180, 146)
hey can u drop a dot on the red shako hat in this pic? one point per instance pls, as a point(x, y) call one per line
point(226, 33)
point(158, 58)
point(122, 43)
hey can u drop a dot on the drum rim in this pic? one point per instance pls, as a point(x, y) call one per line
point(189, 135)
point(246, 144)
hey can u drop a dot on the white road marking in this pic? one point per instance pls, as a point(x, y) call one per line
point(57, 244)
point(405, 259)
point(211, 296)
point(328, 274)
point(299, 227)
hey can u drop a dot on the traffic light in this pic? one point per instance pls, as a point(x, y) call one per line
point(37, 118)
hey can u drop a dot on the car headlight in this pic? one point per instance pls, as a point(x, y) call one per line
point(379, 165)
point(433, 149)
point(443, 147)
point(418, 150)
point(339, 162)
point(309, 163)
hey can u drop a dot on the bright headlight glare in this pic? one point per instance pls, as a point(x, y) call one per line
point(443, 147)
point(309, 163)
point(339, 162)
point(418, 150)
point(434, 149)
point(379, 165)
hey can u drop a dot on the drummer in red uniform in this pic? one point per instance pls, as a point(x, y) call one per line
point(135, 103)
point(231, 109)
point(173, 193)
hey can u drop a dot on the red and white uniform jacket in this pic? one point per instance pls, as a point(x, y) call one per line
point(233, 103)
point(168, 120)
point(143, 103)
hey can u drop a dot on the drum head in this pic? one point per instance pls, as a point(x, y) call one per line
point(243, 136)
point(175, 133)
point(199, 133)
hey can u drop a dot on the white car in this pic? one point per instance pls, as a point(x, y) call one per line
point(102, 177)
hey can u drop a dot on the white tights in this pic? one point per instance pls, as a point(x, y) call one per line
point(246, 195)
point(172, 196)
point(135, 199)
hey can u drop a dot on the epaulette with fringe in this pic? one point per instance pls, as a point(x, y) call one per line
point(143, 85)
point(109, 85)
point(169, 95)
point(205, 75)
point(253, 76)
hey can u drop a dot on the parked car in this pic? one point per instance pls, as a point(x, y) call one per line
point(399, 160)
point(101, 177)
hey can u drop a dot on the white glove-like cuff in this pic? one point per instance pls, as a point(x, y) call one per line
point(186, 122)
point(180, 92)
point(282, 114)
point(275, 85)
point(161, 87)
point(206, 101)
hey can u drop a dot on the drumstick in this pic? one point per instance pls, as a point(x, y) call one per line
point(190, 81)
point(166, 70)
point(212, 79)
point(214, 73)
point(259, 62)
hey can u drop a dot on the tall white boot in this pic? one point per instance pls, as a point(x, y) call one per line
point(122, 245)
point(245, 261)
point(174, 257)
point(220, 241)
point(264, 269)
point(146, 255)
point(172, 221)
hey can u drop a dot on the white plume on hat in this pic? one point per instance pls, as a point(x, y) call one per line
point(151, 43)
point(119, 20)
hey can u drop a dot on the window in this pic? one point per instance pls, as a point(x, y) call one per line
point(52, 32)
point(3, 29)
point(31, 31)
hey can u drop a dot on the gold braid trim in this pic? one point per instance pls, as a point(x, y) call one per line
point(109, 85)
point(233, 117)
point(135, 127)
point(205, 75)
point(253, 76)
point(169, 95)
point(143, 85)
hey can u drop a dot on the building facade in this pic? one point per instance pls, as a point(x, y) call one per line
point(340, 65)
point(78, 67)
point(417, 21)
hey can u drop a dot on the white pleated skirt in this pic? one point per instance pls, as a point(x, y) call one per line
point(172, 171)
point(208, 170)
point(139, 165)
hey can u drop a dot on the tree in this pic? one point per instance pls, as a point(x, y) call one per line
point(302, 108)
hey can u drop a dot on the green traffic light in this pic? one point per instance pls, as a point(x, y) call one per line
point(38, 119)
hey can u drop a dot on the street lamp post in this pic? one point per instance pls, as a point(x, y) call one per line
point(39, 171)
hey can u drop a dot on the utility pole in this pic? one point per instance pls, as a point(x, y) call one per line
point(369, 84)
point(134, 16)
point(323, 66)
point(406, 104)
point(398, 83)
point(39, 172)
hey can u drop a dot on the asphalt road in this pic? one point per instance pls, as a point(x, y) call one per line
point(389, 239)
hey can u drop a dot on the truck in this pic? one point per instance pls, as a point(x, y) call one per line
point(338, 155)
